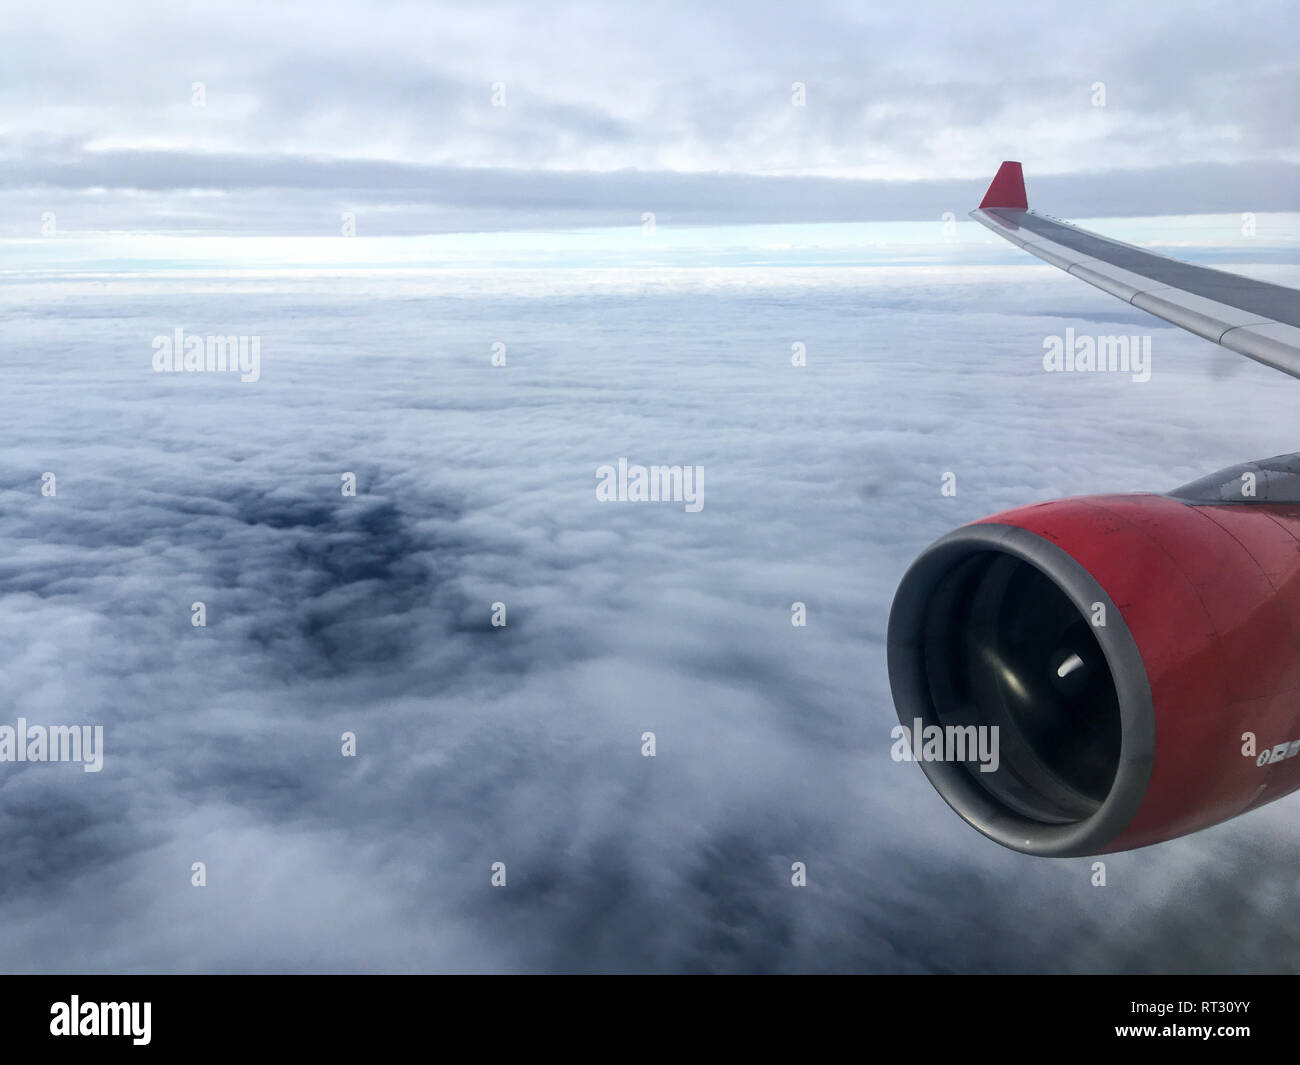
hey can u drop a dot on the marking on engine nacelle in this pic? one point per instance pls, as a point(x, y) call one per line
point(1279, 753)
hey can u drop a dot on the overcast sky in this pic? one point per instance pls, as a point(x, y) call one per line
point(387, 109)
point(522, 744)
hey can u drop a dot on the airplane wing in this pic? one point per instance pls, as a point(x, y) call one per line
point(1253, 318)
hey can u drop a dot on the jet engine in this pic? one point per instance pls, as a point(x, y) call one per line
point(1138, 655)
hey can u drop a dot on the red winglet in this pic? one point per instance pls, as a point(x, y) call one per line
point(1007, 188)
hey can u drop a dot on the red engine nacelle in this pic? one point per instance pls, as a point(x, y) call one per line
point(1138, 654)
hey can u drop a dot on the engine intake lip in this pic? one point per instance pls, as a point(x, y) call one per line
point(910, 684)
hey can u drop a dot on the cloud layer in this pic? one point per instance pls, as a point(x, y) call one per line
point(523, 744)
point(580, 113)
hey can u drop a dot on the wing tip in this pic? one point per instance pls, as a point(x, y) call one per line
point(1007, 189)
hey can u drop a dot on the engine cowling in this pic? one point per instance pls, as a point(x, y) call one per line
point(1124, 647)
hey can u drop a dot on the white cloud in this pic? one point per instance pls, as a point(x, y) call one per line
point(522, 744)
